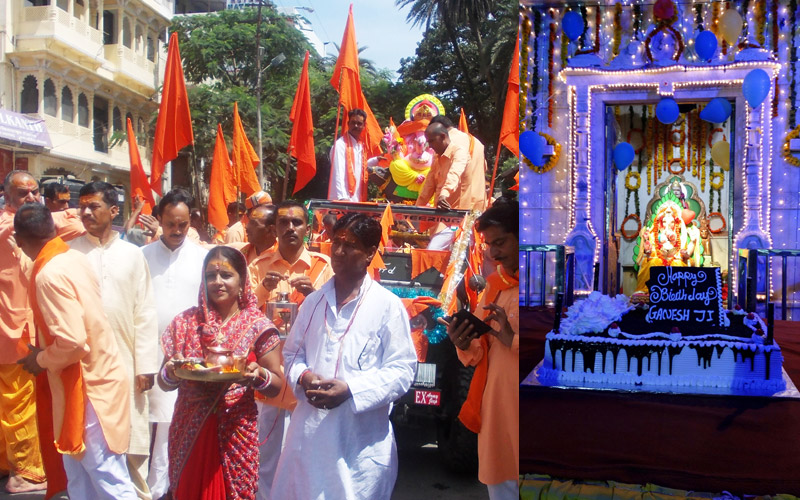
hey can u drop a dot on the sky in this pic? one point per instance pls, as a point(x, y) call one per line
point(380, 26)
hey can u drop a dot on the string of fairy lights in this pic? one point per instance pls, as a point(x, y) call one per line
point(618, 31)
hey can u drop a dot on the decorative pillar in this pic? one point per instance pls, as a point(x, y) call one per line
point(40, 78)
point(581, 236)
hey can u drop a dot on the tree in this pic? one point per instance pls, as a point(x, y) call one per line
point(473, 76)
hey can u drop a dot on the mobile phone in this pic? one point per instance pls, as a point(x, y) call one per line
point(478, 326)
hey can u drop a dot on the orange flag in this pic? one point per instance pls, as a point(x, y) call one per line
point(346, 80)
point(387, 220)
point(301, 144)
point(509, 129)
point(139, 185)
point(174, 124)
point(462, 123)
point(222, 187)
point(245, 158)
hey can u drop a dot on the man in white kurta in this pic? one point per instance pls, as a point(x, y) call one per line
point(176, 268)
point(347, 161)
point(344, 448)
point(128, 302)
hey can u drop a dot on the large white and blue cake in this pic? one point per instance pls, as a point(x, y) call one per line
point(683, 338)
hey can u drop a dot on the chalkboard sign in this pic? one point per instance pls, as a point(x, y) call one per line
point(689, 298)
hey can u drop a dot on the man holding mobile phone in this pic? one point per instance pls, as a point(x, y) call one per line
point(492, 406)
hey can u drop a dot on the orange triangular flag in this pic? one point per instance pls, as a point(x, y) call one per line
point(174, 124)
point(139, 185)
point(222, 187)
point(509, 129)
point(346, 81)
point(387, 220)
point(301, 144)
point(515, 187)
point(245, 159)
point(462, 123)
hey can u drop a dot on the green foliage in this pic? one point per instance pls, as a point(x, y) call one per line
point(464, 59)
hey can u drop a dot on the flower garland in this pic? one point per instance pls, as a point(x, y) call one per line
point(648, 140)
point(553, 159)
point(564, 47)
point(617, 30)
point(630, 177)
point(523, 73)
point(760, 18)
point(690, 156)
point(458, 258)
point(792, 123)
point(550, 73)
point(788, 157)
point(702, 158)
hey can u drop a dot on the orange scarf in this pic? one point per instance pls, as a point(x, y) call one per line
point(470, 414)
point(350, 160)
point(70, 440)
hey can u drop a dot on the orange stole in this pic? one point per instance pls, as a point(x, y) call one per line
point(470, 414)
point(70, 440)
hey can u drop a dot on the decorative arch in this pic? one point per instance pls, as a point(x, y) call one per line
point(29, 97)
point(116, 120)
point(83, 110)
point(50, 99)
point(67, 105)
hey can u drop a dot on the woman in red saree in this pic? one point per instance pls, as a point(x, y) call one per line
point(213, 438)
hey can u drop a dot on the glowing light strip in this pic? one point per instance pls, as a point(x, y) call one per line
point(666, 69)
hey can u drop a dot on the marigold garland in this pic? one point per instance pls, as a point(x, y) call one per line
point(760, 18)
point(720, 217)
point(550, 67)
point(534, 78)
point(629, 177)
point(788, 157)
point(701, 158)
point(717, 181)
point(617, 30)
point(634, 235)
point(648, 141)
point(679, 161)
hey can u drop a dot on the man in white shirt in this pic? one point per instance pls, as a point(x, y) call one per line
point(176, 267)
point(128, 302)
point(348, 179)
point(348, 357)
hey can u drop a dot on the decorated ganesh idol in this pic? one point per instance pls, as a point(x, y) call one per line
point(411, 156)
point(669, 238)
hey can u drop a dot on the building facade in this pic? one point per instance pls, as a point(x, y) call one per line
point(80, 68)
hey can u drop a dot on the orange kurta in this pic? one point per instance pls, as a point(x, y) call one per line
point(15, 267)
point(235, 233)
point(457, 174)
point(68, 296)
point(272, 260)
point(498, 439)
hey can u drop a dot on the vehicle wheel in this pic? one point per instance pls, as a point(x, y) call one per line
point(458, 446)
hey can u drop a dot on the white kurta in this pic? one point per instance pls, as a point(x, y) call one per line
point(337, 189)
point(128, 302)
point(348, 452)
point(176, 282)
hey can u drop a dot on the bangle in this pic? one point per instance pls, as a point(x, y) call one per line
point(267, 381)
point(166, 378)
point(300, 378)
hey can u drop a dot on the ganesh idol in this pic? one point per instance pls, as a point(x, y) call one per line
point(669, 238)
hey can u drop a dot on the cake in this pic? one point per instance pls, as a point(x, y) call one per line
point(667, 344)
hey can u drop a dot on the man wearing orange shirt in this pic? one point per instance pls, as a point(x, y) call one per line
point(292, 269)
point(457, 179)
point(19, 441)
point(88, 386)
point(261, 237)
point(492, 406)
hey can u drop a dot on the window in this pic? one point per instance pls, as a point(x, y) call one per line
point(83, 111)
point(29, 99)
point(117, 120)
point(126, 32)
point(151, 49)
point(67, 106)
point(109, 28)
point(50, 101)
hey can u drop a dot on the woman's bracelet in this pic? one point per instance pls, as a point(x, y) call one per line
point(166, 378)
point(267, 380)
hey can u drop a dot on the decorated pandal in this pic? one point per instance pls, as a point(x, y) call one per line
point(659, 188)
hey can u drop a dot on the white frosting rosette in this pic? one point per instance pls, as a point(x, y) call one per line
point(594, 314)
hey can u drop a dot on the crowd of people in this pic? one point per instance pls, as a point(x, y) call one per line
point(96, 325)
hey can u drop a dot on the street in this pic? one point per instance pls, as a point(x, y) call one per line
point(420, 476)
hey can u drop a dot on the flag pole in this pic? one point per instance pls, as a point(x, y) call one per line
point(286, 177)
point(494, 173)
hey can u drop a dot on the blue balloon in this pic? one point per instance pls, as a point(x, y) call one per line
point(572, 24)
point(705, 45)
point(623, 155)
point(756, 87)
point(667, 110)
point(717, 110)
point(533, 145)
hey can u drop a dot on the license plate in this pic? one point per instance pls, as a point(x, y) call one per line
point(426, 375)
point(430, 398)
